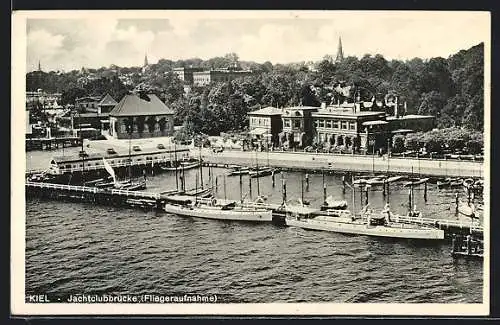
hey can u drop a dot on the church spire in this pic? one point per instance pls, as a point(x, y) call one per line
point(145, 59)
point(340, 52)
point(39, 66)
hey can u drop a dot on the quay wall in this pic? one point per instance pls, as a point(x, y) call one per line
point(358, 163)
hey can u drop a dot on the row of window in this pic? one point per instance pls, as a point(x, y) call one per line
point(339, 125)
point(259, 121)
point(296, 123)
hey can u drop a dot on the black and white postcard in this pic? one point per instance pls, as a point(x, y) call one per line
point(250, 162)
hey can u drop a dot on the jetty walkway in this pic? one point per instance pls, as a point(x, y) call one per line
point(155, 200)
point(346, 162)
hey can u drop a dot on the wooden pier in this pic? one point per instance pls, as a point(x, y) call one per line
point(95, 195)
point(155, 200)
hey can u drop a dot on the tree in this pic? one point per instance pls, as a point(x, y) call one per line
point(432, 103)
point(398, 143)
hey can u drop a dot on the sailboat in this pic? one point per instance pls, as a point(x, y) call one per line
point(121, 185)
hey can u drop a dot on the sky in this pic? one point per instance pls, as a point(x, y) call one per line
point(92, 40)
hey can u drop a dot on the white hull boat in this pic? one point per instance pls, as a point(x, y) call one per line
point(234, 213)
point(361, 227)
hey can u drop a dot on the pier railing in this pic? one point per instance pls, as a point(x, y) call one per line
point(137, 194)
point(95, 190)
point(75, 188)
point(473, 226)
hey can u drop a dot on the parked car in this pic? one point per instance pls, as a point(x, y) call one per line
point(136, 148)
point(218, 149)
point(160, 146)
point(111, 151)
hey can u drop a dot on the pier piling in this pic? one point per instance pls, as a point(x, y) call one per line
point(425, 192)
point(272, 178)
point(456, 205)
point(343, 184)
point(307, 182)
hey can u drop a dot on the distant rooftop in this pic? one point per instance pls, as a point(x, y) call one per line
point(304, 108)
point(267, 111)
point(108, 101)
point(350, 112)
point(133, 105)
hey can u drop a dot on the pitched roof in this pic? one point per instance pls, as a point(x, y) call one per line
point(267, 111)
point(107, 101)
point(133, 105)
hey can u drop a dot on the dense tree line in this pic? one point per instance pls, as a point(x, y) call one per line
point(450, 89)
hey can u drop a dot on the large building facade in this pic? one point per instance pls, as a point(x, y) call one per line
point(203, 78)
point(141, 116)
point(363, 127)
point(186, 74)
point(266, 125)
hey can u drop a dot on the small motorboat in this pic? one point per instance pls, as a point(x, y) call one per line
point(239, 171)
point(449, 182)
point(467, 246)
point(131, 186)
point(416, 181)
point(360, 181)
point(376, 181)
point(261, 172)
point(183, 165)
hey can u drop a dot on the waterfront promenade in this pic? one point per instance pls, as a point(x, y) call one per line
point(346, 162)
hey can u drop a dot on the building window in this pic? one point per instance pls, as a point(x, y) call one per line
point(296, 124)
point(343, 125)
point(336, 125)
point(287, 123)
point(321, 123)
point(352, 125)
point(316, 123)
point(329, 124)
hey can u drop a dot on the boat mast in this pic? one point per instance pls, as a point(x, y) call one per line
point(175, 165)
point(201, 169)
point(257, 174)
point(241, 188)
point(196, 191)
point(129, 156)
point(302, 189)
point(353, 197)
point(83, 152)
point(225, 188)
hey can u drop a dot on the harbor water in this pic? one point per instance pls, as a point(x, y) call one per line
point(78, 248)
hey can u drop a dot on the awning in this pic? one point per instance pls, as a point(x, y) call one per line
point(375, 123)
point(402, 131)
point(258, 131)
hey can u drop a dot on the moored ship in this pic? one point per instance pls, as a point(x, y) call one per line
point(370, 224)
